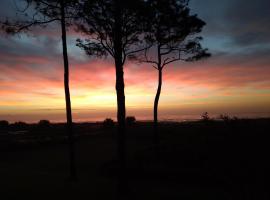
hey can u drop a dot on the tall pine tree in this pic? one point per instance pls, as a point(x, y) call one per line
point(113, 27)
point(172, 34)
point(41, 13)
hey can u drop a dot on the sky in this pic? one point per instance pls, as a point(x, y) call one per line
point(235, 80)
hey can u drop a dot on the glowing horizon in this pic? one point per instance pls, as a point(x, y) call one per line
point(92, 88)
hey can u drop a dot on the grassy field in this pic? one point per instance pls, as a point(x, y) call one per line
point(198, 160)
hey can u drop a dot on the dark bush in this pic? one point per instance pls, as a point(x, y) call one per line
point(205, 117)
point(108, 123)
point(44, 124)
point(225, 117)
point(130, 120)
point(4, 124)
point(235, 118)
point(20, 125)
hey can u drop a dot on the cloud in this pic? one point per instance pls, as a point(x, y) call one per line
point(23, 45)
point(31, 66)
point(245, 22)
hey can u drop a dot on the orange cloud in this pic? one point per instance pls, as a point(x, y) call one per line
point(37, 83)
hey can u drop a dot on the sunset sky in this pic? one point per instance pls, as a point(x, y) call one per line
point(235, 80)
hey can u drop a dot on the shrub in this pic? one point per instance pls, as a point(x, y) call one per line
point(44, 123)
point(205, 116)
point(20, 125)
point(4, 124)
point(130, 120)
point(108, 123)
point(225, 117)
point(235, 118)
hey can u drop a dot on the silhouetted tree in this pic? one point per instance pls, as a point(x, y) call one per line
point(205, 117)
point(3, 124)
point(171, 32)
point(44, 123)
point(130, 120)
point(20, 125)
point(108, 123)
point(113, 28)
point(225, 117)
point(41, 13)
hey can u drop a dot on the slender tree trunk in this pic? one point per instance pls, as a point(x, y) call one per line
point(73, 174)
point(120, 91)
point(121, 115)
point(156, 135)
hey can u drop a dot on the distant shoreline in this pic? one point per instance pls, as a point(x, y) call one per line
point(142, 121)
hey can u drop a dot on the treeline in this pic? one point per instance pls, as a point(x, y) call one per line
point(43, 124)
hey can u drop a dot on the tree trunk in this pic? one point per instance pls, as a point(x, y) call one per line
point(156, 134)
point(120, 91)
point(121, 115)
point(73, 174)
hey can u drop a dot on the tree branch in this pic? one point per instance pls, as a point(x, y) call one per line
point(17, 28)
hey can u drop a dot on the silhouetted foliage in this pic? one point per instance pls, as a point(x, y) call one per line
point(37, 13)
point(171, 33)
point(235, 118)
point(4, 124)
point(108, 123)
point(104, 22)
point(205, 117)
point(130, 120)
point(20, 125)
point(41, 13)
point(44, 124)
point(113, 27)
point(225, 117)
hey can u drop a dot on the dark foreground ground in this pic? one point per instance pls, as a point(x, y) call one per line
point(198, 160)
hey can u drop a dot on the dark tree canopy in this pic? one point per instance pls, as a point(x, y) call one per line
point(172, 32)
point(98, 22)
point(32, 13)
point(114, 27)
